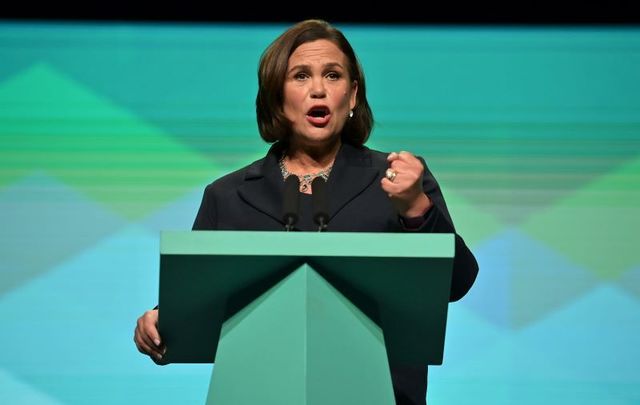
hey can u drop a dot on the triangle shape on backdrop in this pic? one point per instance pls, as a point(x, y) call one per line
point(521, 280)
point(472, 223)
point(629, 281)
point(595, 337)
point(86, 308)
point(176, 215)
point(597, 225)
point(43, 223)
point(53, 124)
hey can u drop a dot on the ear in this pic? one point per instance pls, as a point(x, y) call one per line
point(354, 93)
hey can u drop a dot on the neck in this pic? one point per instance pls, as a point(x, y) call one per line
point(307, 159)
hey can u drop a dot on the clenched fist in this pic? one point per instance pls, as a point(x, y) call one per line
point(403, 184)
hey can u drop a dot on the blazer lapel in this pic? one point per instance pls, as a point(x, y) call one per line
point(352, 173)
point(263, 185)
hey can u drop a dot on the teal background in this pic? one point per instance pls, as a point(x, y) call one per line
point(110, 132)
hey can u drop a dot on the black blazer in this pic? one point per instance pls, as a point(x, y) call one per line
point(251, 199)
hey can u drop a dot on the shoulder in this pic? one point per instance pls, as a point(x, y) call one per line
point(365, 156)
point(375, 157)
point(378, 158)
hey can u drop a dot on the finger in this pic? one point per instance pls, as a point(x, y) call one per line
point(409, 169)
point(407, 174)
point(154, 336)
point(391, 187)
point(159, 358)
point(403, 182)
point(408, 157)
point(400, 165)
point(392, 156)
point(150, 326)
point(160, 362)
point(155, 349)
point(144, 347)
point(148, 338)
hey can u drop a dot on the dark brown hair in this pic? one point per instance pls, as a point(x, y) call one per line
point(272, 123)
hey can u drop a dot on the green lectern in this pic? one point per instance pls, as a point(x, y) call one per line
point(303, 317)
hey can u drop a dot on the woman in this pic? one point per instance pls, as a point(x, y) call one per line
point(312, 106)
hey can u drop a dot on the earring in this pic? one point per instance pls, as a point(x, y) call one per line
point(350, 113)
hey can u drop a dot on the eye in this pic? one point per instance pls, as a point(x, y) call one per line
point(300, 76)
point(333, 75)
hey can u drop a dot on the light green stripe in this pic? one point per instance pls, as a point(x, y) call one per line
point(351, 244)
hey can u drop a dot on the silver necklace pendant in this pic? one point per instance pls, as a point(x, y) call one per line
point(306, 179)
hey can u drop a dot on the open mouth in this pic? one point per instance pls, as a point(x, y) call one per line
point(318, 112)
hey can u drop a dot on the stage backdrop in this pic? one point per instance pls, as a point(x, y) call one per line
point(109, 134)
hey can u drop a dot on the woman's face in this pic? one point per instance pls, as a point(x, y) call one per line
point(318, 92)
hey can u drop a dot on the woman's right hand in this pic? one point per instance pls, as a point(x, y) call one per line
point(147, 337)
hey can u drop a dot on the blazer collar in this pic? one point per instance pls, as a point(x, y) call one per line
point(351, 174)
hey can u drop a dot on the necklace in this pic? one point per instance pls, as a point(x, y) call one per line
point(305, 179)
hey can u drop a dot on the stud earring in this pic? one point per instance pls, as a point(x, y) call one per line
point(350, 113)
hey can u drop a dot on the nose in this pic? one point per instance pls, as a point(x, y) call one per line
point(317, 88)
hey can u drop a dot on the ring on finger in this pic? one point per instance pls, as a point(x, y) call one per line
point(390, 174)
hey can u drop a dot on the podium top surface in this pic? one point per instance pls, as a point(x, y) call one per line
point(336, 244)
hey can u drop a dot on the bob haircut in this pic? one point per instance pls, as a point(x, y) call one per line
point(272, 123)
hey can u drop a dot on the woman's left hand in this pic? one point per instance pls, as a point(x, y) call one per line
point(403, 184)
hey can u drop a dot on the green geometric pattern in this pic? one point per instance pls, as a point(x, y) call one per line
point(610, 205)
point(110, 132)
point(53, 124)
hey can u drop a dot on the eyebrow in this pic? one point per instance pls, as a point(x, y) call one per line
point(324, 67)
